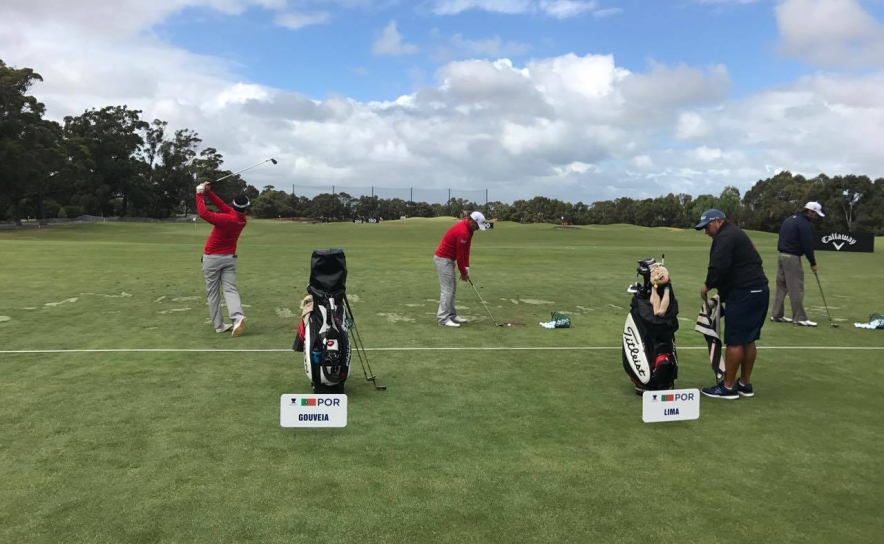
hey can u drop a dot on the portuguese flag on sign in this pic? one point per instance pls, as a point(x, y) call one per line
point(667, 398)
point(308, 402)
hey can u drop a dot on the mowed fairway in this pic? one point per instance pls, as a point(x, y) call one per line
point(486, 443)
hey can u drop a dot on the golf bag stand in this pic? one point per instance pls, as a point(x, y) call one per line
point(326, 333)
point(650, 357)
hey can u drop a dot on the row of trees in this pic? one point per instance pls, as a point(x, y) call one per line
point(103, 162)
point(854, 203)
point(111, 162)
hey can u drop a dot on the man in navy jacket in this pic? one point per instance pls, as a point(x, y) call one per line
point(796, 239)
point(735, 270)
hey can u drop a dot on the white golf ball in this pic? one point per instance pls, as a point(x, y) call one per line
point(509, 324)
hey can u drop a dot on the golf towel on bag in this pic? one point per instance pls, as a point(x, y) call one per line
point(709, 325)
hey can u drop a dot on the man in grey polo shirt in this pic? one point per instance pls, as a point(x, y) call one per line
point(796, 239)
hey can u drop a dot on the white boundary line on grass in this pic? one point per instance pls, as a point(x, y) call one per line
point(574, 348)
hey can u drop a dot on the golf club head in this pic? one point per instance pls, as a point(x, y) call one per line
point(273, 161)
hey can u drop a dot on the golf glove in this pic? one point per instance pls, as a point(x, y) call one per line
point(200, 188)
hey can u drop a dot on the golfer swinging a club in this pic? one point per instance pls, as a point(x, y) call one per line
point(454, 252)
point(219, 257)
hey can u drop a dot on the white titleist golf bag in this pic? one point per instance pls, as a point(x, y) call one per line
point(649, 354)
point(326, 325)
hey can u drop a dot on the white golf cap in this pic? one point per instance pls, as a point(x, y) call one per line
point(815, 207)
point(478, 218)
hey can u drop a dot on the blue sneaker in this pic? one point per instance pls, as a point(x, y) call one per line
point(744, 390)
point(721, 392)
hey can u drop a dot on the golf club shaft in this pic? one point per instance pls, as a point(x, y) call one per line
point(815, 275)
point(482, 300)
point(243, 170)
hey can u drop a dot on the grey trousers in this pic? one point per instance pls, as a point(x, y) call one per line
point(447, 269)
point(790, 281)
point(220, 273)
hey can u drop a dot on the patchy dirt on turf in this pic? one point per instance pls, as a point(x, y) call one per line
point(535, 301)
point(66, 301)
point(394, 318)
point(285, 313)
point(121, 295)
point(173, 310)
point(4, 318)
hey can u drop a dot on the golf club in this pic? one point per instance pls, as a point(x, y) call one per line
point(832, 323)
point(244, 169)
point(496, 324)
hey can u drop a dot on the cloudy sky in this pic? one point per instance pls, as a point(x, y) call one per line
point(572, 99)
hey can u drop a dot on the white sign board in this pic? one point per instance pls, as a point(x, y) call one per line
point(670, 405)
point(313, 411)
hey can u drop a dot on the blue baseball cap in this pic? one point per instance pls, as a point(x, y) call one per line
point(709, 216)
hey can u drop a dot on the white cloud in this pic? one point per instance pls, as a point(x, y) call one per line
point(607, 12)
point(691, 125)
point(559, 9)
point(836, 33)
point(728, 1)
point(122, 17)
point(453, 7)
point(563, 9)
point(576, 127)
point(457, 47)
point(296, 20)
point(643, 161)
point(390, 43)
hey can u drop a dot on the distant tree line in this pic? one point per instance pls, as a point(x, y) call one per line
point(112, 162)
point(853, 203)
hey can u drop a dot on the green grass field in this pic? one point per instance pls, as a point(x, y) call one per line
point(485, 443)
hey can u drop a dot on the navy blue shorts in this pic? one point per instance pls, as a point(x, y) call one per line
point(745, 312)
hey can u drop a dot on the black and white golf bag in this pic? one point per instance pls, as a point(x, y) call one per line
point(323, 335)
point(327, 322)
point(649, 353)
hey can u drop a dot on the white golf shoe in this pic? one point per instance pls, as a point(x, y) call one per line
point(783, 319)
point(449, 323)
point(806, 323)
point(239, 326)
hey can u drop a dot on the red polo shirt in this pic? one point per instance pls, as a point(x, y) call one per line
point(228, 225)
point(456, 245)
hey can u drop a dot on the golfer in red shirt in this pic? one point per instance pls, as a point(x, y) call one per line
point(454, 251)
point(219, 257)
